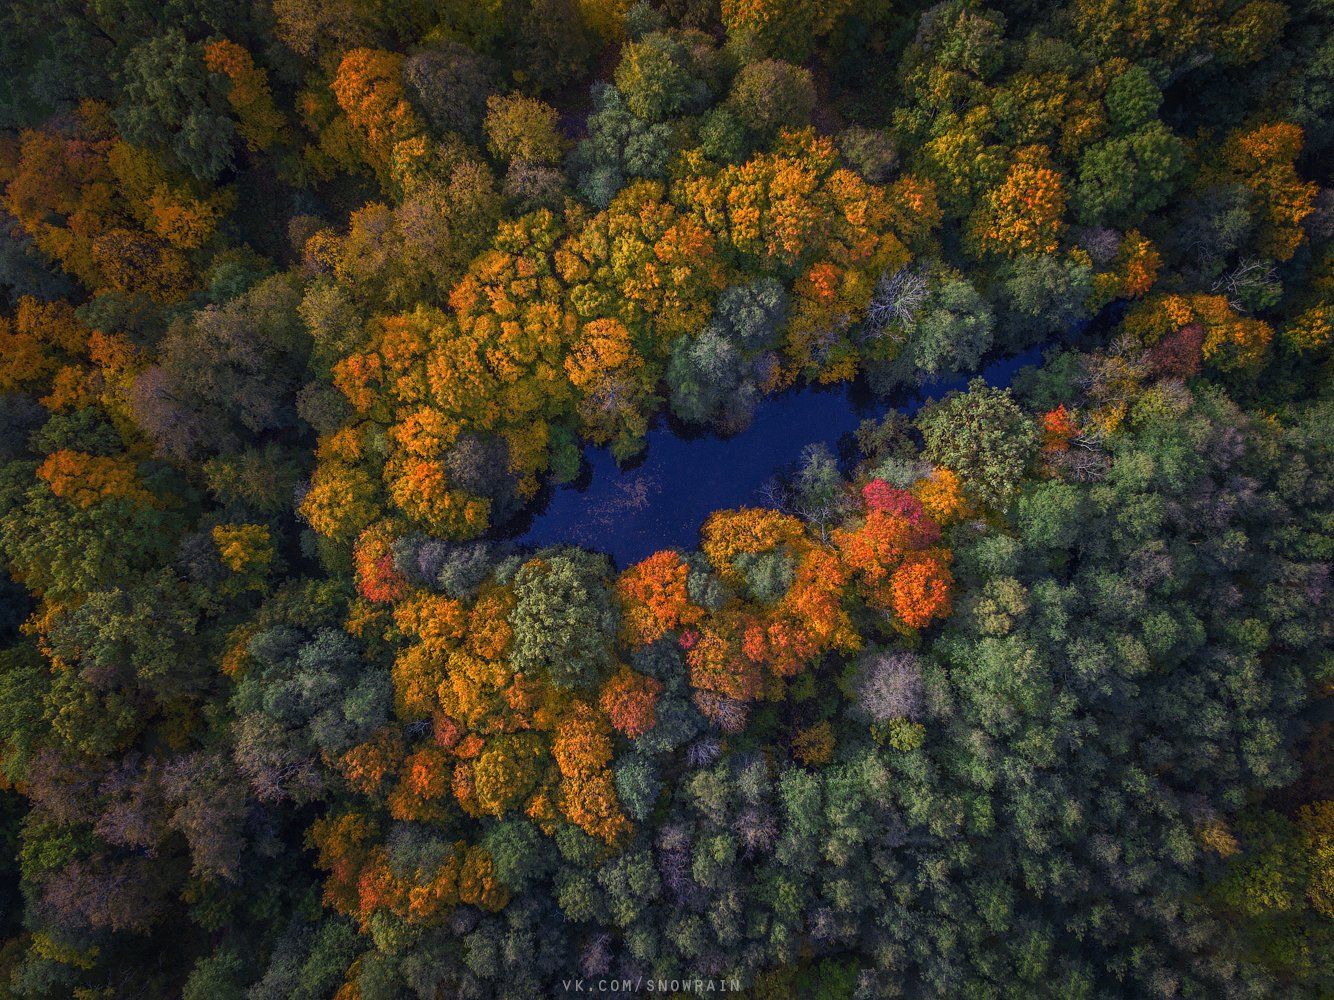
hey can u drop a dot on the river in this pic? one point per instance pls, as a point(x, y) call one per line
point(661, 500)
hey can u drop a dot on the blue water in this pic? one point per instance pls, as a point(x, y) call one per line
point(661, 502)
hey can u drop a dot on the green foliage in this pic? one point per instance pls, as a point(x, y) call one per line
point(563, 618)
point(659, 78)
point(1125, 177)
point(170, 102)
point(769, 95)
point(1132, 100)
point(983, 437)
point(620, 146)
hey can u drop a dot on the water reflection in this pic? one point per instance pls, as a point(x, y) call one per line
point(661, 500)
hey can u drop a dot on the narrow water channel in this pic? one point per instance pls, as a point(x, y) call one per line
point(661, 501)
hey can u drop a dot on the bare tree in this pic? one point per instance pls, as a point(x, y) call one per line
point(897, 298)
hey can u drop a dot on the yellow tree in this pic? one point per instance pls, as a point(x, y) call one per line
point(1264, 158)
point(1024, 213)
point(258, 119)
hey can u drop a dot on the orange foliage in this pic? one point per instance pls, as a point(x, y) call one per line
point(795, 209)
point(1024, 213)
point(106, 212)
point(1231, 340)
point(605, 367)
point(435, 621)
point(1165, 29)
point(165, 206)
point(781, 22)
point(1058, 427)
point(85, 480)
point(628, 700)
point(1264, 158)
point(369, 90)
point(1139, 262)
point(875, 549)
point(341, 501)
point(360, 881)
point(941, 496)
point(340, 843)
point(603, 346)
point(729, 533)
point(504, 368)
point(582, 750)
point(136, 262)
point(582, 745)
point(61, 192)
point(258, 119)
point(920, 590)
point(646, 263)
point(795, 203)
point(39, 338)
point(718, 662)
point(378, 579)
point(1312, 330)
point(423, 781)
point(590, 803)
point(811, 619)
point(502, 774)
point(654, 599)
point(367, 766)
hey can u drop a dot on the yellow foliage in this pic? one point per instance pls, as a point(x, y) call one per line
point(244, 548)
point(1025, 213)
point(941, 496)
point(729, 533)
point(258, 119)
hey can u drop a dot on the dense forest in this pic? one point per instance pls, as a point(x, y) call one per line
point(305, 303)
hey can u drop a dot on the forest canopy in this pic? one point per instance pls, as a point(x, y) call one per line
point(305, 307)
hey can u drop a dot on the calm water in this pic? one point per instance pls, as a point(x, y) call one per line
point(661, 501)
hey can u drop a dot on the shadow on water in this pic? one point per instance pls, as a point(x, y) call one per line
point(661, 499)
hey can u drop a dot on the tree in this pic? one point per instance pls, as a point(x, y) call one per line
point(1046, 295)
point(816, 492)
point(889, 686)
point(620, 146)
point(706, 376)
point(783, 30)
point(1132, 100)
point(628, 699)
point(658, 78)
point(302, 694)
point(920, 588)
point(258, 119)
point(981, 436)
point(552, 44)
point(1262, 159)
point(655, 598)
point(449, 85)
point(926, 322)
point(1123, 179)
point(769, 95)
point(1023, 214)
point(605, 368)
point(217, 382)
point(369, 90)
point(170, 102)
point(520, 128)
point(563, 618)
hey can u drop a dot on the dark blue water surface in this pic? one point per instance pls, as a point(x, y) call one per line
point(661, 502)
